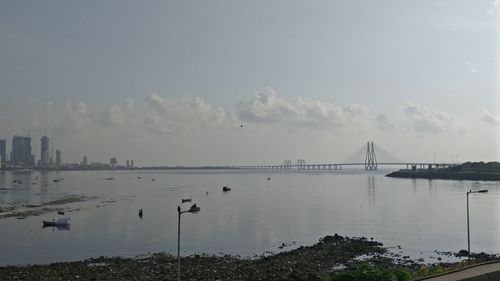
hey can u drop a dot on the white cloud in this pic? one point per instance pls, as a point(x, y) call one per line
point(77, 114)
point(268, 107)
point(494, 6)
point(169, 116)
point(383, 122)
point(159, 104)
point(121, 115)
point(130, 104)
point(426, 120)
point(489, 117)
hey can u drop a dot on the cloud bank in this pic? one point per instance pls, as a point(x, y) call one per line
point(193, 125)
point(426, 120)
point(489, 117)
point(267, 107)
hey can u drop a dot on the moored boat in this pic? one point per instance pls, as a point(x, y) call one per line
point(58, 222)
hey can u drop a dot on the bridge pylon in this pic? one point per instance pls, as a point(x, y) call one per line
point(301, 164)
point(370, 157)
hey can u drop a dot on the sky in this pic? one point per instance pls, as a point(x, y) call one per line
point(252, 82)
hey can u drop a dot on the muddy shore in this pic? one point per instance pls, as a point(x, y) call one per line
point(331, 255)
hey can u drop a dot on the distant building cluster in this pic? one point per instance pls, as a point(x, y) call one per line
point(22, 157)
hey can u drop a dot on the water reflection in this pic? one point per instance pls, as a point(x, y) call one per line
point(58, 227)
point(256, 216)
point(371, 189)
point(4, 190)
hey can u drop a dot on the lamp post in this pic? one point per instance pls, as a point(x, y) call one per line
point(194, 210)
point(468, 229)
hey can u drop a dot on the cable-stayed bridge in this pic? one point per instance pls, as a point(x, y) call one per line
point(364, 157)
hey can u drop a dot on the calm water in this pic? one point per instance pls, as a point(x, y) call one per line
point(256, 216)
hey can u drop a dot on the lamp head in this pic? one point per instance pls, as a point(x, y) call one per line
point(194, 209)
point(483, 191)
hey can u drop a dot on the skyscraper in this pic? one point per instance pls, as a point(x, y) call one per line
point(3, 153)
point(21, 151)
point(113, 162)
point(44, 151)
point(58, 158)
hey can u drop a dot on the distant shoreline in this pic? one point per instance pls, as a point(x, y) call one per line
point(474, 171)
point(122, 168)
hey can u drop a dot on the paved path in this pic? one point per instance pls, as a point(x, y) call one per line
point(482, 272)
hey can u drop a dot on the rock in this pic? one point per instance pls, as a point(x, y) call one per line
point(313, 277)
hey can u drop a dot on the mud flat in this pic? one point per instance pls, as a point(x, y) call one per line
point(36, 210)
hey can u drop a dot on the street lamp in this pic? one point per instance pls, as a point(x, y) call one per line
point(468, 230)
point(194, 210)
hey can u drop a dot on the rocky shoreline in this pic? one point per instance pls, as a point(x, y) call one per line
point(331, 256)
point(444, 175)
point(474, 171)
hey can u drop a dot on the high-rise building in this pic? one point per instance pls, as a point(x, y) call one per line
point(85, 162)
point(58, 158)
point(44, 151)
point(113, 162)
point(3, 153)
point(21, 151)
point(131, 163)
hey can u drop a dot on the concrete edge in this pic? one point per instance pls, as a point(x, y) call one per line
point(456, 270)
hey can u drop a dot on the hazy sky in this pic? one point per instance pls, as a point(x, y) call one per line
point(171, 82)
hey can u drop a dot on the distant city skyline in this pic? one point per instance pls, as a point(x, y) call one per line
point(237, 82)
point(22, 155)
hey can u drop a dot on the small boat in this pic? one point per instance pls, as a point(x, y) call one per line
point(152, 179)
point(58, 222)
point(139, 178)
point(109, 179)
point(140, 213)
point(225, 188)
point(56, 180)
point(186, 200)
point(268, 179)
point(60, 212)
